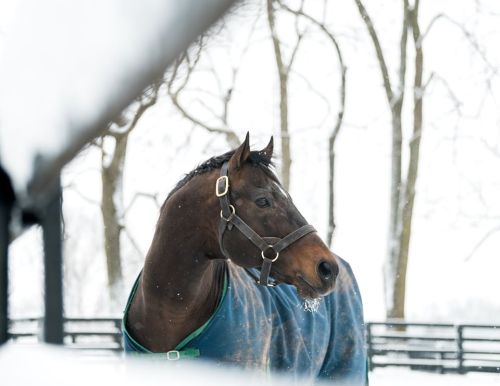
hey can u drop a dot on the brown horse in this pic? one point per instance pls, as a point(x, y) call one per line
point(209, 235)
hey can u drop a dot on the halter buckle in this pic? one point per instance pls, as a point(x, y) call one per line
point(270, 247)
point(221, 191)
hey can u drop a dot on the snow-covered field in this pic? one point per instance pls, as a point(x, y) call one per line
point(45, 365)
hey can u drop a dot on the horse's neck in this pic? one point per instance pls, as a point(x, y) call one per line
point(179, 288)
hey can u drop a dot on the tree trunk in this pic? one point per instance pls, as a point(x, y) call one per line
point(398, 311)
point(331, 152)
point(393, 247)
point(394, 283)
point(402, 196)
point(112, 214)
point(286, 159)
point(331, 191)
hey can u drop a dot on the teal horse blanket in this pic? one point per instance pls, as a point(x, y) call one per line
point(272, 329)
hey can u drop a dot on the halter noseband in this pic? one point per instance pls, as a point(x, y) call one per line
point(269, 252)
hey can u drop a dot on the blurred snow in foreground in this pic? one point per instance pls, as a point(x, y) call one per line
point(52, 366)
point(406, 377)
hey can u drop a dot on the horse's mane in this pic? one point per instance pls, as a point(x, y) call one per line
point(256, 159)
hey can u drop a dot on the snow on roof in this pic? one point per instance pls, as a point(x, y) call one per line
point(66, 69)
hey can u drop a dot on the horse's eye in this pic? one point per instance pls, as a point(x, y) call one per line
point(262, 202)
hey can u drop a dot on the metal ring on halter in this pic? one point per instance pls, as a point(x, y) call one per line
point(233, 211)
point(272, 260)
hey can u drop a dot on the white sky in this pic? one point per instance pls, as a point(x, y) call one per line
point(458, 185)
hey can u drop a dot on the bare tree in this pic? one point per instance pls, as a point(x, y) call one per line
point(402, 193)
point(180, 75)
point(284, 69)
point(112, 206)
point(177, 84)
point(337, 124)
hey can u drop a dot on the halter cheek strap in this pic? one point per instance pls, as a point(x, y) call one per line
point(269, 252)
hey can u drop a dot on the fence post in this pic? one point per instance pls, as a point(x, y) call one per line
point(369, 345)
point(460, 349)
point(7, 198)
point(52, 242)
point(5, 209)
point(118, 338)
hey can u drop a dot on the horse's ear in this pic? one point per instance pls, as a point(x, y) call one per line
point(267, 152)
point(241, 154)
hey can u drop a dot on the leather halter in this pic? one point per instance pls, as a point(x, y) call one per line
point(269, 252)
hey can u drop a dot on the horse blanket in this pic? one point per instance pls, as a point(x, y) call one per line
point(269, 329)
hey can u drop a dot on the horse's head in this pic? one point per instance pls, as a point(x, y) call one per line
point(258, 198)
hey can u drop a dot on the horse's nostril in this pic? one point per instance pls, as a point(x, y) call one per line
point(326, 270)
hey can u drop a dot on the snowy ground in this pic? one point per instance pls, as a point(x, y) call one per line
point(44, 365)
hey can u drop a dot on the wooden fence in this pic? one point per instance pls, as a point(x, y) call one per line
point(96, 335)
point(436, 347)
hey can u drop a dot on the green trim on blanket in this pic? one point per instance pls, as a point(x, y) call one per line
point(180, 351)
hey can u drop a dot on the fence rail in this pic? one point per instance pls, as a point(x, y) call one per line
point(424, 346)
point(98, 335)
point(443, 347)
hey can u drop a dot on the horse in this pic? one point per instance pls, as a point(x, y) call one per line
point(212, 287)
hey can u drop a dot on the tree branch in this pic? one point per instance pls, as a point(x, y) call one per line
point(73, 188)
point(133, 242)
point(300, 35)
point(343, 68)
point(152, 196)
point(378, 49)
point(468, 35)
point(481, 242)
point(230, 135)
